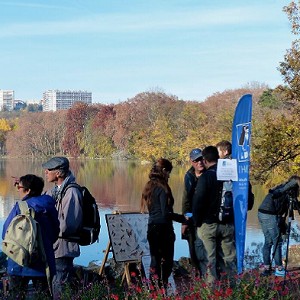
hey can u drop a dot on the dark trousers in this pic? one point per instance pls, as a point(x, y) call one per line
point(65, 276)
point(161, 240)
point(18, 287)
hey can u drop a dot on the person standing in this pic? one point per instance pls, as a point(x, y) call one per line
point(224, 149)
point(158, 200)
point(213, 233)
point(188, 231)
point(270, 216)
point(30, 188)
point(69, 207)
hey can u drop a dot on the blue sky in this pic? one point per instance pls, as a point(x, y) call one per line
point(117, 48)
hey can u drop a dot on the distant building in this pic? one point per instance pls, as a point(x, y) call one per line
point(7, 100)
point(54, 100)
point(19, 105)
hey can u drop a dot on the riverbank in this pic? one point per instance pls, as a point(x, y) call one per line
point(112, 285)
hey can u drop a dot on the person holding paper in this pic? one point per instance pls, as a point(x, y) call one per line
point(224, 149)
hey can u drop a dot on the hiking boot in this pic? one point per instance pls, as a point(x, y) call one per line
point(280, 272)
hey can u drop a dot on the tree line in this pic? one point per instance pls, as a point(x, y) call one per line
point(150, 125)
point(155, 124)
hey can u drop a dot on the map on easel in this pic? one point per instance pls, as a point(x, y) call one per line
point(128, 236)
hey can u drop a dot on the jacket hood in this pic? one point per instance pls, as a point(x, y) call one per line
point(41, 203)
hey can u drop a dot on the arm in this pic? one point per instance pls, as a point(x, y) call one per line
point(199, 201)
point(189, 186)
point(72, 212)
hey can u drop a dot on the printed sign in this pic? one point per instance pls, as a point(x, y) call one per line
point(128, 236)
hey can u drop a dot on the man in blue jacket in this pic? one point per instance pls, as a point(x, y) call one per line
point(30, 188)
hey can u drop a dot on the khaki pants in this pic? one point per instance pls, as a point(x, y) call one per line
point(219, 243)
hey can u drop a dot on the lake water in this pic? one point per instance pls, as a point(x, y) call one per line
point(117, 185)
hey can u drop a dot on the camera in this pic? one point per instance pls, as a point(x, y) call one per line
point(290, 188)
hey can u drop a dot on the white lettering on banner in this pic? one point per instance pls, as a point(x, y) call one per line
point(244, 169)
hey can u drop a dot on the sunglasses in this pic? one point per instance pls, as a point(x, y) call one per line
point(198, 159)
point(20, 187)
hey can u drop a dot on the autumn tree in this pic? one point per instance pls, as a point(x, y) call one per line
point(277, 139)
point(37, 134)
point(5, 127)
point(75, 138)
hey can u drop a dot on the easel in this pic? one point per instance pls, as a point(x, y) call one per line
point(126, 272)
point(108, 249)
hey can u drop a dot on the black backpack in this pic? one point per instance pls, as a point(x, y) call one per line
point(90, 228)
point(226, 205)
point(226, 212)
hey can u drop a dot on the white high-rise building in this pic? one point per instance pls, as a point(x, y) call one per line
point(54, 100)
point(7, 99)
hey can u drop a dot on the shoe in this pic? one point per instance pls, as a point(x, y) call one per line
point(266, 272)
point(280, 273)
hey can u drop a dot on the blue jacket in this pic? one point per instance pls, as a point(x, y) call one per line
point(46, 215)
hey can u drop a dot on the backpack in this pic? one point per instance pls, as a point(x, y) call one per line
point(23, 239)
point(90, 227)
point(226, 205)
point(226, 213)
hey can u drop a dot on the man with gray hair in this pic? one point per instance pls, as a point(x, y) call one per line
point(69, 207)
point(196, 247)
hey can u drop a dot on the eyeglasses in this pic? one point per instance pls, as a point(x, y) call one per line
point(198, 159)
point(50, 170)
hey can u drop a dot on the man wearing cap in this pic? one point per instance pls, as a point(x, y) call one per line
point(68, 204)
point(196, 248)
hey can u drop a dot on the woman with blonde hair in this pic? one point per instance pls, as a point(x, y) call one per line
point(158, 200)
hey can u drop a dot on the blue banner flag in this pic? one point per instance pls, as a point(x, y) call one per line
point(241, 133)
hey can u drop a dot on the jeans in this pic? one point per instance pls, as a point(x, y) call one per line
point(201, 255)
point(271, 231)
point(65, 276)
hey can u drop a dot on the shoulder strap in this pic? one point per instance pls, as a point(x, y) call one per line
point(25, 209)
point(70, 185)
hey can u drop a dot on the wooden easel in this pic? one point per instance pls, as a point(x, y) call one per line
point(126, 273)
point(108, 249)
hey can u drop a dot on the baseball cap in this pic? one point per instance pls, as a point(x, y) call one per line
point(195, 153)
point(57, 162)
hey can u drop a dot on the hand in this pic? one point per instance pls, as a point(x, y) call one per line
point(16, 180)
point(184, 228)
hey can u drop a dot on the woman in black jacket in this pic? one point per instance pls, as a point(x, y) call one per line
point(157, 198)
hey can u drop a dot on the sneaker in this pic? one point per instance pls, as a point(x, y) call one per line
point(279, 272)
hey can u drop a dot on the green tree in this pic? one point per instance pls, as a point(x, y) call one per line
point(276, 139)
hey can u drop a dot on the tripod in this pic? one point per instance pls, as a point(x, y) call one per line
point(293, 205)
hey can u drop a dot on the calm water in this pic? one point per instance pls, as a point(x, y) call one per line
point(117, 185)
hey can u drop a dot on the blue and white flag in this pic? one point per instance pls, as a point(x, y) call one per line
point(241, 134)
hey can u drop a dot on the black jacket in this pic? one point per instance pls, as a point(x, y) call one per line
point(190, 182)
point(207, 197)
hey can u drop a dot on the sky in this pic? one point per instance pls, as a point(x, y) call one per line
point(117, 48)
